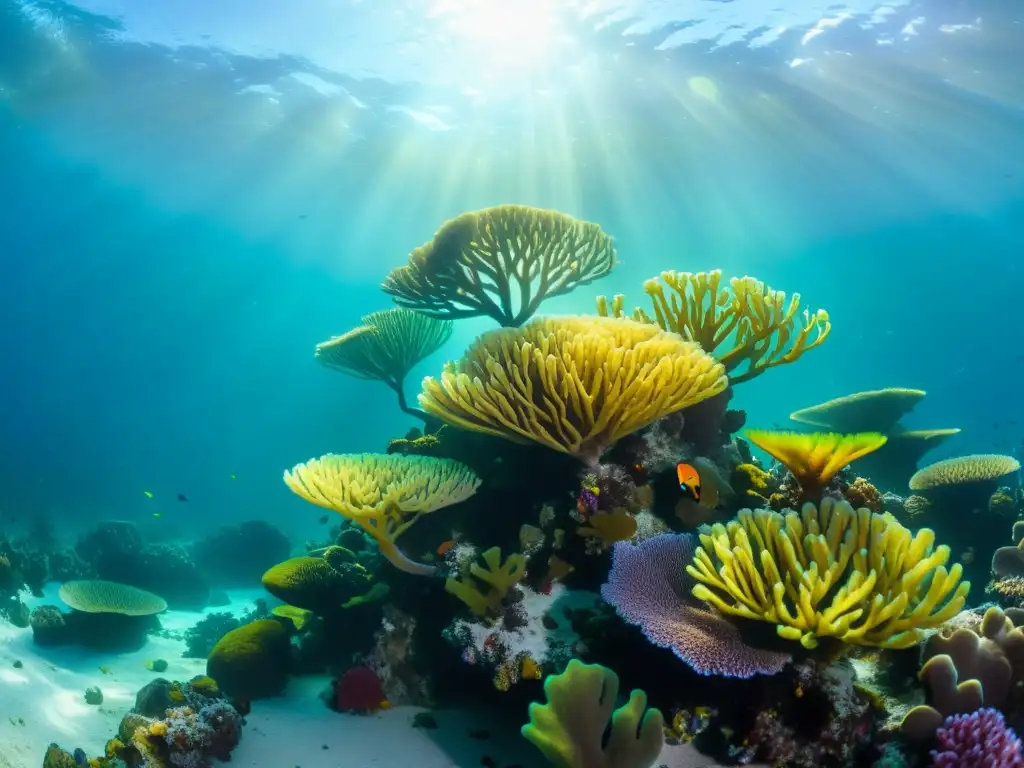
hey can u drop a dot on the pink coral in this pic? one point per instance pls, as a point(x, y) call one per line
point(978, 740)
point(648, 586)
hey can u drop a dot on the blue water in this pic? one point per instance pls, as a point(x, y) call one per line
point(193, 198)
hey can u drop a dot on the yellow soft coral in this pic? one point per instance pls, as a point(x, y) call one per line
point(815, 459)
point(498, 577)
point(574, 384)
point(835, 572)
point(383, 494)
point(761, 328)
point(502, 262)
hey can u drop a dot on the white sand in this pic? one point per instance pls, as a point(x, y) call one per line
point(43, 701)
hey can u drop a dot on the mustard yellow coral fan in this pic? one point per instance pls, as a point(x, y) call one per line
point(574, 384)
point(502, 262)
point(745, 323)
point(814, 459)
point(384, 494)
point(831, 571)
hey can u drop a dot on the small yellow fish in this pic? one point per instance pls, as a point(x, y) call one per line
point(158, 514)
point(148, 494)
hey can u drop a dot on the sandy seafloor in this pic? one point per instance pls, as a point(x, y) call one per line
point(42, 701)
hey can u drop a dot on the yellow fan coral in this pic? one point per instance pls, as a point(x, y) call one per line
point(574, 384)
point(815, 459)
point(980, 468)
point(502, 262)
point(385, 348)
point(752, 321)
point(384, 494)
point(831, 571)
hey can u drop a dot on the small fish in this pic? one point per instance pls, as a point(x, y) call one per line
point(689, 481)
point(181, 497)
point(232, 475)
point(147, 494)
point(445, 547)
point(158, 514)
point(105, 670)
point(323, 520)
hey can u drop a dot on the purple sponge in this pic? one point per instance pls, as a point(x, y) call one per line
point(978, 740)
point(649, 587)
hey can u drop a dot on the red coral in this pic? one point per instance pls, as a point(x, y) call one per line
point(359, 690)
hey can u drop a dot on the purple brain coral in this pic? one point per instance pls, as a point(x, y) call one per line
point(649, 587)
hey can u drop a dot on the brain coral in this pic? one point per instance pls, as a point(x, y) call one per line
point(96, 596)
point(978, 468)
point(252, 660)
point(648, 585)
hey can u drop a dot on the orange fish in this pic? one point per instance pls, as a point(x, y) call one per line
point(689, 481)
point(446, 547)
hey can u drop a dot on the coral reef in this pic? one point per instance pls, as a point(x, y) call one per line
point(975, 740)
point(237, 555)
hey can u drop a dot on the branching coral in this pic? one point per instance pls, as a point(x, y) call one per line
point(815, 459)
point(501, 262)
point(385, 348)
point(498, 577)
point(384, 494)
point(883, 585)
point(745, 323)
point(569, 727)
point(573, 384)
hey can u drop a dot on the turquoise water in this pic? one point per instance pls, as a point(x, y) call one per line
point(192, 197)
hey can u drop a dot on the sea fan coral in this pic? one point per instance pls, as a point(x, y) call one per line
point(573, 384)
point(781, 568)
point(501, 262)
point(386, 347)
point(978, 740)
point(648, 585)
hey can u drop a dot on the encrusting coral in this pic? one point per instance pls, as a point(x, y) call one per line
point(385, 348)
point(573, 384)
point(384, 494)
point(753, 321)
point(501, 262)
point(323, 584)
point(498, 577)
point(779, 568)
point(815, 459)
point(569, 727)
